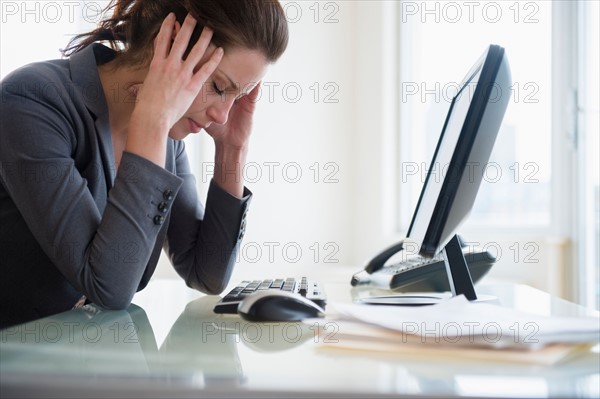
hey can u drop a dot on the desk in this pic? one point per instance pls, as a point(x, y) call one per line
point(171, 344)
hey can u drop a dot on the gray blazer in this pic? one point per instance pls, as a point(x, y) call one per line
point(73, 225)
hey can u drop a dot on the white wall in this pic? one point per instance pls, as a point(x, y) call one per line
point(302, 164)
point(338, 131)
point(311, 119)
point(351, 219)
point(339, 134)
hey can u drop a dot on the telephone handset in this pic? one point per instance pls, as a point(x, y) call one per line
point(419, 274)
point(379, 260)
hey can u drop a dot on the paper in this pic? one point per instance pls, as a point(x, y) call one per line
point(460, 322)
point(352, 337)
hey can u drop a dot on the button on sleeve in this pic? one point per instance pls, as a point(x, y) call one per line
point(163, 207)
point(168, 195)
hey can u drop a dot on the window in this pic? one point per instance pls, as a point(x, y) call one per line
point(439, 43)
point(36, 30)
point(542, 182)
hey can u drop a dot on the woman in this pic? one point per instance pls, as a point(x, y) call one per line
point(95, 179)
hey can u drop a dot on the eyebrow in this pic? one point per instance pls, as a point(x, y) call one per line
point(231, 82)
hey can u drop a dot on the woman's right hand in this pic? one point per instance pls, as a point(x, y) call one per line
point(170, 87)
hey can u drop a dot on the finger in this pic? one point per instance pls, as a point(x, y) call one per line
point(200, 47)
point(182, 39)
point(207, 68)
point(253, 95)
point(163, 39)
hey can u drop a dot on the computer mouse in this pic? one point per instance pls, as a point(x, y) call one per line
point(275, 305)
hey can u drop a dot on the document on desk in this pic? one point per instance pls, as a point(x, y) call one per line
point(459, 324)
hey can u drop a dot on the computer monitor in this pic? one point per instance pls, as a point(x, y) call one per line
point(463, 151)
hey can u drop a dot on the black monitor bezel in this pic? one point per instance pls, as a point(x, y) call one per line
point(487, 66)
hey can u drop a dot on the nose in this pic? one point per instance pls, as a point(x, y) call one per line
point(219, 111)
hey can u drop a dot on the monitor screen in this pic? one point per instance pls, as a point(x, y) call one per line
point(462, 153)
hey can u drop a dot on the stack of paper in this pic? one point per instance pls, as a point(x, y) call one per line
point(458, 326)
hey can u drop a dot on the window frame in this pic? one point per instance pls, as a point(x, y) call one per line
point(586, 117)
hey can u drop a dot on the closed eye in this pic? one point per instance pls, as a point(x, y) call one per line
point(217, 90)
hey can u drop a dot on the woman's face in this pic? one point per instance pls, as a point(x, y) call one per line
point(238, 73)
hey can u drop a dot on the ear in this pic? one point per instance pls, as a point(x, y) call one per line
point(134, 89)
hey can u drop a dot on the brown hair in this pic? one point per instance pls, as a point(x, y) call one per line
point(250, 24)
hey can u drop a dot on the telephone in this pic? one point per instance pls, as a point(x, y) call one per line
point(419, 274)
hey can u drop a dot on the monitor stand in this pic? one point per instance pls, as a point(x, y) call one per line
point(459, 279)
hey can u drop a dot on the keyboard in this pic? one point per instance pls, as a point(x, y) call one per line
point(304, 287)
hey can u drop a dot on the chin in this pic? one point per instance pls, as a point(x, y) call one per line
point(176, 133)
point(177, 136)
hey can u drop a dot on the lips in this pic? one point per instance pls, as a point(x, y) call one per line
point(194, 127)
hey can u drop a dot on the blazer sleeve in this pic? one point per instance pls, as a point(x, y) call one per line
point(103, 254)
point(201, 243)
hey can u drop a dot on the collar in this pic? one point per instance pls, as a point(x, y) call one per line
point(84, 73)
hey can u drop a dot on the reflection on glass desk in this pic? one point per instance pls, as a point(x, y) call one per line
point(171, 344)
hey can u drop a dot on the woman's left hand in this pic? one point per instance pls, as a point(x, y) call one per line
point(235, 133)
